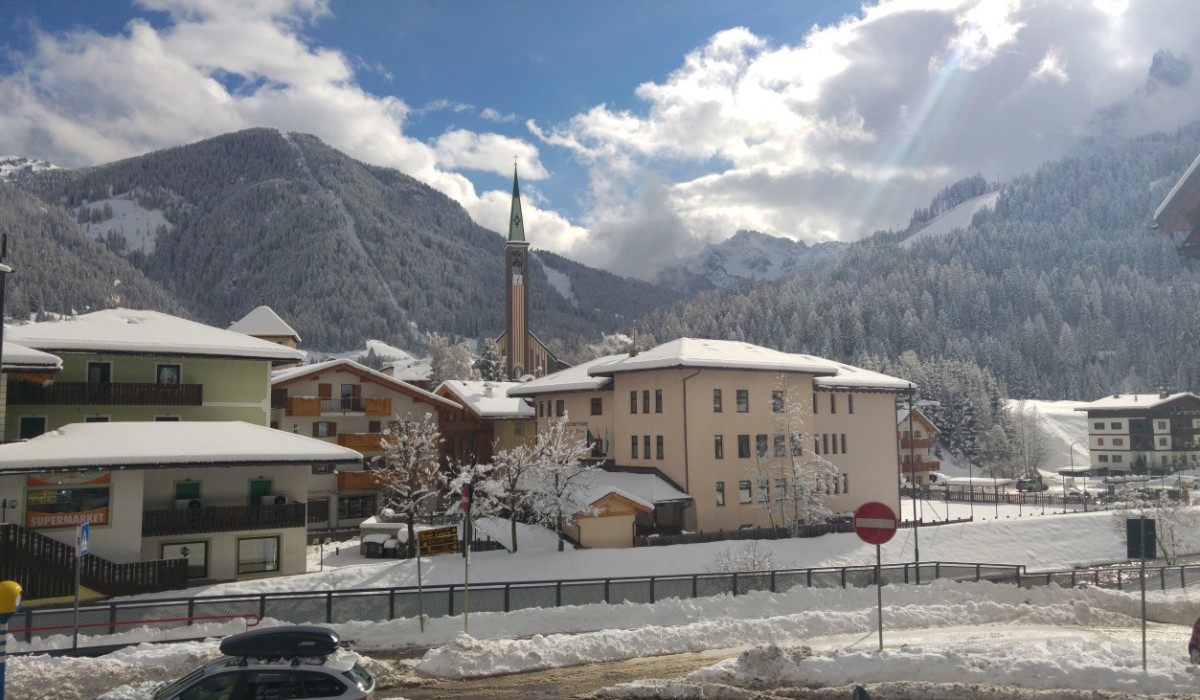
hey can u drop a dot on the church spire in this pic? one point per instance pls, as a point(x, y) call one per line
point(516, 223)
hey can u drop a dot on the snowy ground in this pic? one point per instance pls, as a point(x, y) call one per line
point(944, 640)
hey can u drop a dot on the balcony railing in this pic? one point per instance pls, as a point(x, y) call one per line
point(105, 394)
point(315, 406)
point(360, 441)
point(923, 465)
point(358, 481)
point(189, 521)
point(919, 443)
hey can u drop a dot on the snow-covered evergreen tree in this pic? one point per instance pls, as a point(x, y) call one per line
point(513, 470)
point(490, 364)
point(409, 469)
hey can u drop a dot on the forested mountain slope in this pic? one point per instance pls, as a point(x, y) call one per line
point(342, 250)
point(56, 269)
point(1061, 292)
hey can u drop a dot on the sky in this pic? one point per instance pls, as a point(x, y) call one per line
point(641, 130)
point(1023, 639)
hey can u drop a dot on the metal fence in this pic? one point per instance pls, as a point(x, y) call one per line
point(381, 604)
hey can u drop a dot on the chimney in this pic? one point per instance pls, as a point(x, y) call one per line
point(487, 389)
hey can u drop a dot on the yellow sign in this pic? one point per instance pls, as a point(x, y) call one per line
point(438, 541)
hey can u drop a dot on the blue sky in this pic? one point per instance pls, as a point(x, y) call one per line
point(643, 129)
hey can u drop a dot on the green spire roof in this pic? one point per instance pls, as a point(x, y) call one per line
point(516, 222)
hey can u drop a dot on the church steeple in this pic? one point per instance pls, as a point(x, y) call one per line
point(516, 223)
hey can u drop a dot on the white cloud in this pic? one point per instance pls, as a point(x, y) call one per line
point(460, 148)
point(848, 130)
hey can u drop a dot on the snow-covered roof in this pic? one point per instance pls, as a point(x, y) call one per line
point(488, 399)
point(283, 377)
point(724, 354)
point(643, 489)
point(264, 321)
point(1133, 401)
point(151, 444)
point(1178, 208)
point(18, 358)
point(577, 378)
point(902, 419)
point(413, 369)
point(152, 332)
point(851, 377)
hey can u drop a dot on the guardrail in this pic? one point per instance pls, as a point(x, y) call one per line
point(382, 604)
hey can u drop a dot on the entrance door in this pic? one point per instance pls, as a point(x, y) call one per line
point(258, 489)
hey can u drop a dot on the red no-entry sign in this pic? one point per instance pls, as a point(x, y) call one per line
point(875, 522)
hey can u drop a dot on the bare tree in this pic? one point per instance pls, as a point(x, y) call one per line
point(513, 471)
point(560, 476)
point(409, 470)
point(1030, 448)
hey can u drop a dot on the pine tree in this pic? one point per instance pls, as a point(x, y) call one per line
point(490, 364)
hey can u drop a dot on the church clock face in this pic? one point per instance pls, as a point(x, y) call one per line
point(518, 269)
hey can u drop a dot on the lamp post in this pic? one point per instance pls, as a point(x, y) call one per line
point(1083, 495)
point(912, 465)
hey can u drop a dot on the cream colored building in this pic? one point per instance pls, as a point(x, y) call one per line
point(712, 416)
point(346, 403)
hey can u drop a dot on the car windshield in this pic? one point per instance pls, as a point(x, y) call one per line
point(170, 688)
point(360, 677)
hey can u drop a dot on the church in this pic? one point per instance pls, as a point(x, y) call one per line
point(524, 354)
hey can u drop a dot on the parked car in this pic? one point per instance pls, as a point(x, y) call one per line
point(293, 661)
point(1035, 484)
point(1194, 643)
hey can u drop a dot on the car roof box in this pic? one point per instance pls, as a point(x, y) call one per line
point(292, 640)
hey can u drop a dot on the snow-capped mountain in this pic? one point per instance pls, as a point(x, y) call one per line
point(17, 167)
point(748, 255)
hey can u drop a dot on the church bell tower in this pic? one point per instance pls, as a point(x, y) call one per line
point(516, 261)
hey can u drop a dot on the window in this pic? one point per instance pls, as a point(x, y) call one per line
point(31, 427)
point(633, 402)
point(99, 372)
point(760, 445)
point(374, 426)
point(780, 446)
point(646, 446)
point(776, 401)
point(351, 507)
point(720, 493)
point(95, 419)
point(187, 489)
point(835, 445)
point(1100, 442)
point(845, 482)
point(1098, 425)
point(1162, 425)
point(1115, 425)
point(645, 400)
point(814, 403)
point(658, 447)
point(744, 494)
point(658, 400)
point(166, 419)
point(824, 443)
point(816, 443)
point(633, 446)
point(196, 554)
point(797, 444)
point(1103, 458)
point(833, 403)
point(1117, 459)
point(719, 447)
point(322, 469)
point(743, 400)
point(167, 374)
point(597, 407)
point(350, 394)
point(850, 403)
point(560, 408)
point(843, 443)
point(257, 555)
point(1162, 442)
point(324, 429)
point(780, 490)
point(1118, 442)
point(763, 493)
point(716, 400)
point(743, 446)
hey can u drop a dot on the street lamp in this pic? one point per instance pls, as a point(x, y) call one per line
point(1083, 495)
point(912, 465)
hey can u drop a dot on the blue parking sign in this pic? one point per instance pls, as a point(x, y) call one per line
point(81, 538)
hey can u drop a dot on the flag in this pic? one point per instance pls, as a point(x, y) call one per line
point(590, 438)
point(605, 441)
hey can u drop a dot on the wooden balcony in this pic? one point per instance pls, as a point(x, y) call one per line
point(105, 394)
point(191, 521)
point(358, 481)
point(923, 465)
point(316, 406)
point(362, 442)
point(907, 443)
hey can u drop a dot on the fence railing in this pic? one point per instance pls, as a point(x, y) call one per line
point(775, 533)
point(45, 568)
point(383, 604)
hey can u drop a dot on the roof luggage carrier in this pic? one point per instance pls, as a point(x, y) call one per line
point(282, 642)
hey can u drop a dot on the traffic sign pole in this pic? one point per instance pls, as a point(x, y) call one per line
point(875, 523)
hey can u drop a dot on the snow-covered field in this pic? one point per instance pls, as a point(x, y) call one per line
point(945, 639)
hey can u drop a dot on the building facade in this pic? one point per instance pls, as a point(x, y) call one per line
point(1144, 433)
point(720, 420)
